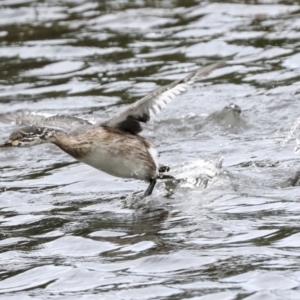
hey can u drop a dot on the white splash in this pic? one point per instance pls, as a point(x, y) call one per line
point(291, 134)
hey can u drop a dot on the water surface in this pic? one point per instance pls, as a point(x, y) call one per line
point(68, 231)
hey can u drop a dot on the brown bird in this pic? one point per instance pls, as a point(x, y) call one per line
point(113, 146)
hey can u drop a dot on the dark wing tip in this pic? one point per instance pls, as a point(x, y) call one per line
point(132, 123)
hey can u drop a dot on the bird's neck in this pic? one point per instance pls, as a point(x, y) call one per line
point(51, 135)
point(74, 145)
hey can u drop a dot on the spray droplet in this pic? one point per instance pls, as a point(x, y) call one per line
point(291, 133)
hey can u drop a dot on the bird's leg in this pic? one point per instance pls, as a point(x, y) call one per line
point(150, 188)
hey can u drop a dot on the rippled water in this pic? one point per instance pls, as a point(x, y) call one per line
point(68, 231)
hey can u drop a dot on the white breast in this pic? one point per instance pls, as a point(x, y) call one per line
point(135, 163)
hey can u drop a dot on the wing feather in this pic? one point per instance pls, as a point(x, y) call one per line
point(28, 118)
point(151, 104)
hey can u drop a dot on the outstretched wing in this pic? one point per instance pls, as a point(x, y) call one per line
point(46, 120)
point(141, 111)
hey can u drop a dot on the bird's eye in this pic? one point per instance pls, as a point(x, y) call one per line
point(18, 136)
point(38, 131)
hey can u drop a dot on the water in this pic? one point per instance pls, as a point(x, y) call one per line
point(68, 231)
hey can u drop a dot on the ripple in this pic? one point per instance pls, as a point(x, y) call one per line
point(61, 67)
point(291, 241)
point(264, 281)
point(170, 263)
point(74, 246)
point(220, 230)
point(32, 278)
point(246, 9)
point(216, 296)
point(54, 52)
point(219, 48)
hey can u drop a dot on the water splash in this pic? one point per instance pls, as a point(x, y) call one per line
point(291, 134)
point(297, 147)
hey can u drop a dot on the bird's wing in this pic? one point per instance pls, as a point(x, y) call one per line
point(142, 110)
point(46, 120)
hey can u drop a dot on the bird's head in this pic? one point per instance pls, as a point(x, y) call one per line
point(28, 136)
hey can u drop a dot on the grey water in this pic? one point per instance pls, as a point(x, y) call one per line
point(227, 227)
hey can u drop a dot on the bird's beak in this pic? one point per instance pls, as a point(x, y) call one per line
point(10, 144)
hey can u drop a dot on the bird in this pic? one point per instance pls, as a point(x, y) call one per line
point(114, 145)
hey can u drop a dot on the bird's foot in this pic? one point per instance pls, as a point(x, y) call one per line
point(163, 169)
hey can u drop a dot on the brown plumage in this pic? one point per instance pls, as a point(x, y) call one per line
point(114, 145)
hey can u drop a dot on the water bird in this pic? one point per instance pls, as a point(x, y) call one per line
point(114, 145)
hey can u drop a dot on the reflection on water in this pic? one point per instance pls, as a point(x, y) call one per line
point(67, 231)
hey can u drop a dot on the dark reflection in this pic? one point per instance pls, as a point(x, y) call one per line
point(143, 221)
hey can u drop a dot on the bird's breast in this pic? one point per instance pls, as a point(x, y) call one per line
point(127, 163)
point(114, 152)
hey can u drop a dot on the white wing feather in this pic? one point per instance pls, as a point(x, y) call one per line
point(128, 120)
point(142, 110)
